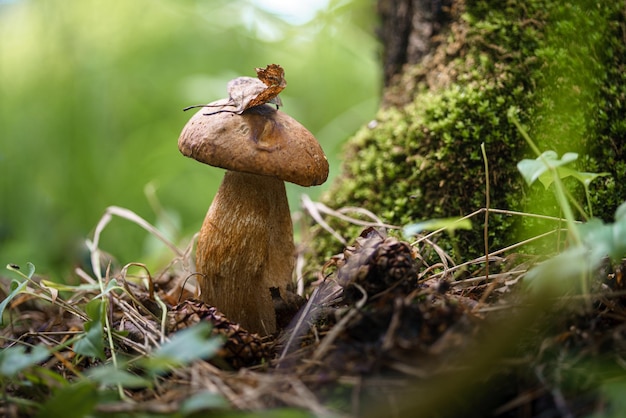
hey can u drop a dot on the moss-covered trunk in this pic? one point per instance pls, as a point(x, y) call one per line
point(453, 69)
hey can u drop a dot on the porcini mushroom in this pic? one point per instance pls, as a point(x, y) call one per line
point(245, 246)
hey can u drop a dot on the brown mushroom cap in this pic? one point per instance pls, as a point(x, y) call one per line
point(261, 140)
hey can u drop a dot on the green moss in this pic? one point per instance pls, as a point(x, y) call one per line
point(561, 65)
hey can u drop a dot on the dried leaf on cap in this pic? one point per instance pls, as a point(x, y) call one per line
point(247, 92)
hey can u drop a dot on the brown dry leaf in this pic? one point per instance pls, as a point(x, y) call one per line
point(273, 76)
point(247, 92)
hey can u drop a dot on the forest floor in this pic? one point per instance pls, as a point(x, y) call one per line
point(381, 333)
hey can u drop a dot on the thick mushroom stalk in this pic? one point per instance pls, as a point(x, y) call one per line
point(245, 246)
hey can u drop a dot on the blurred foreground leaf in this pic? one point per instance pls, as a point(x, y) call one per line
point(448, 224)
point(186, 346)
point(573, 266)
point(202, 401)
point(72, 401)
point(110, 376)
point(15, 359)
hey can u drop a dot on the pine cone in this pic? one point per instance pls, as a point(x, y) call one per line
point(377, 263)
point(241, 348)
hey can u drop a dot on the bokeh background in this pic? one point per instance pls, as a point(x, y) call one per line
point(91, 98)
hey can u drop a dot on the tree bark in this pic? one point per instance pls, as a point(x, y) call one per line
point(408, 31)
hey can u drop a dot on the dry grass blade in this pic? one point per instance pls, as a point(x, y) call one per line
point(327, 342)
point(316, 209)
point(132, 217)
point(323, 295)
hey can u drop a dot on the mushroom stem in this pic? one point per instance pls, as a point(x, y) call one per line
point(245, 247)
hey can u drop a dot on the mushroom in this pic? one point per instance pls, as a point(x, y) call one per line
point(245, 246)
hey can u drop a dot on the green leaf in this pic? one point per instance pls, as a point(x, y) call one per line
point(605, 239)
point(598, 238)
point(542, 169)
point(532, 170)
point(30, 270)
point(94, 310)
point(620, 213)
point(72, 401)
point(547, 178)
point(111, 285)
point(585, 178)
point(565, 271)
point(568, 157)
point(186, 346)
point(16, 288)
point(44, 377)
point(62, 287)
point(110, 376)
point(612, 396)
point(15, 359)
point(92, 343)
point(449, 224)
point(560, 274)
point(202, 401)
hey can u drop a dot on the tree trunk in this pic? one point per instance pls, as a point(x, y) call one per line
point(454, 72)
point(409, 30)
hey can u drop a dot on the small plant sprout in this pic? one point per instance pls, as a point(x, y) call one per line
point(591, 241)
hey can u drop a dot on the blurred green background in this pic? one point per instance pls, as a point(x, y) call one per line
point(91, 98)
